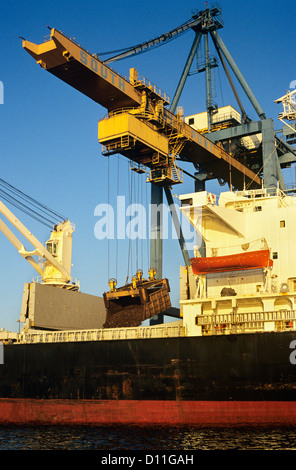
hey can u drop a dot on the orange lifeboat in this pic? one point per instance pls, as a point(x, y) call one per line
point(247, 260)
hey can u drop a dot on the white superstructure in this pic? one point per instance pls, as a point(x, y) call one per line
point(255, 227)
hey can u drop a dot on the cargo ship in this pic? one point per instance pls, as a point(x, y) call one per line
point(229, 358)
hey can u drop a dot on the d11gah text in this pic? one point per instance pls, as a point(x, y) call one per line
point(149, 459)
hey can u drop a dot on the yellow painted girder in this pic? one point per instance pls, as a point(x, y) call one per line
point(74, 65)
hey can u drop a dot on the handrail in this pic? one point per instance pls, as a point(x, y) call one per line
point(158, 91)
point(176, 329)
point(208, 319)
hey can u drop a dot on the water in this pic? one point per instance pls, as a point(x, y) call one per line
point(152, 438)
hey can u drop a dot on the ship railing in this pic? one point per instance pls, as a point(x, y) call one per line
point(161, 331)
point(247, 317)
point(263, 192)
point(289, 188)
point(247, 322)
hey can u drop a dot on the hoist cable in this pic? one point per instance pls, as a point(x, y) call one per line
point(21, 207)
point(24, 207)
point(44, 211)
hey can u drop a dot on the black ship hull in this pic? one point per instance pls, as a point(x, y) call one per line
point(185, 372)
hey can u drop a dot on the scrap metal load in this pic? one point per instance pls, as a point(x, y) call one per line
point(129, 305)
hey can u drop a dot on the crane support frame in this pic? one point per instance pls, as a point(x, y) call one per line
point(40, 250)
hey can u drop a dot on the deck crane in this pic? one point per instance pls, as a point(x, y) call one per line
point(57, 252)
point(55, 302)
point(54, 265)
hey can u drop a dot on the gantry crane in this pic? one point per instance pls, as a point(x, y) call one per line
point(143, 125)
point(253, 143)
point(138, 124)
point(143, 129)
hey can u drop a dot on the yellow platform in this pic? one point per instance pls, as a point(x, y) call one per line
point(124, 131)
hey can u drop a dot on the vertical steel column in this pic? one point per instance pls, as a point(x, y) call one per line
point(208, 82)
point(173, 107)
point(157, 191)
point(156, 229)
point(177, 226)
point(185, 72)
point(218, 41)
point(269, 155)
point(156, 216)
point(279, 175)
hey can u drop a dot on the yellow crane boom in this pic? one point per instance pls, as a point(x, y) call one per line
point(74, 65)
point(165, 135)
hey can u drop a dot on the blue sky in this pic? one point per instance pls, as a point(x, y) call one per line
point(49, 146)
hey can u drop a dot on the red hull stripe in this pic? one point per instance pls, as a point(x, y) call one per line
point(29, 411)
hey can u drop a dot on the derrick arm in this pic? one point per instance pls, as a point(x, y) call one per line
point(40, 250)
point(19, 246)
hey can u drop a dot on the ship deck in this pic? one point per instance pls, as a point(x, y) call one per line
point(165, 330)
